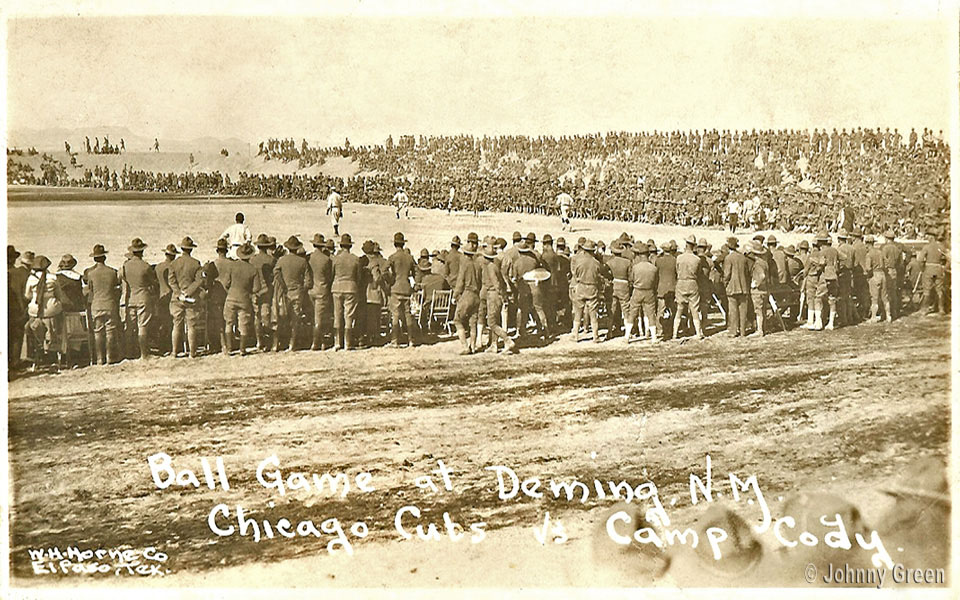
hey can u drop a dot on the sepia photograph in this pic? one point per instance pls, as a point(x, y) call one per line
point(460, 298)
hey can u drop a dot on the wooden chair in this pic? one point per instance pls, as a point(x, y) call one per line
point(440, 309)
point(75, 336)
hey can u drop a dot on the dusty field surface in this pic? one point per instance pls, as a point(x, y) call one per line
point(840, 411)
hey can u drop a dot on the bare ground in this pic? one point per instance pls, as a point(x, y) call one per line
point(842, 411)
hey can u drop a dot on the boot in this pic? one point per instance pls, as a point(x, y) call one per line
point(462, 335)
point(595, 327)
point(192, 342)
point(317, 339)
point(818, 320)
point(294, 331)
point(809, 323)
point(337, 339)
point(177, 341)
point(832, 319)
point(100, 350)
point(348, 338)
point(144, 348)
point(575, 334)
point(627, 330)
point(243, 344)
point(226, 342)
point(111, 347)
point(510, 347)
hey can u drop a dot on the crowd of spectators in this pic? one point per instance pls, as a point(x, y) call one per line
point(787, 180)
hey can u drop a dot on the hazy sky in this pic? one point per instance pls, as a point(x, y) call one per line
point(326, 78)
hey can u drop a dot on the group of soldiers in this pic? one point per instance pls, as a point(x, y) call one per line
point(259, 293)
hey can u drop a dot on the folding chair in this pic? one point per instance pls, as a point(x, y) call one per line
point(75, 336)
point(440, 308)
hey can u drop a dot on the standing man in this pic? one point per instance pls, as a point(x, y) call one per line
point(760, 285)
point(243, 284)
point(139, 286)
point(292, 274)
point(451, 263)
point(402, 201)
point(185, 280)
point(642, 280)
point(402, 269)
point(564, 200)
point(620, 296)
point(736, 279)
point(236, 235)
point(264, 262)
point(877, 278)
point(346, 286)
point(321, 269)
point(218, 339)
point(733, 214)
point(466, 293)
point(932, 278)
point(829, 287)
point(334, 209)
point(17, 316)
point(164, 323)
point(688, 268)
point(496, 288)
point(103, 286)
point(372, 270)
point(666, 264)
point(846, 261)
point(586, 273)
point(892, 258)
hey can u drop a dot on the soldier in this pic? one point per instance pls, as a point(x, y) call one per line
point(243, 283)
point(737, 281)
point(828, 287)
point(292, 276)
point(452, 261)
point(561, 285)
point(620, 296)
point(846, 260)
point(877, 278)
point(588, 281)
point(506, 267)
point(372, 273)
point(185, 279)
point(263, 261)
point(687, 291)
point(760, 286)
point(430, 282)
point(933, 275)
point(551, 262)
point(811, 282)
point(402, 202)
point(529, 296)
point(164, 322)
point(16, 307)
point(777, 270)
point(794, 268)
point(402, 267)
point(643, 279)
point(466, 293)
point(321, 269)
point(103, 286)
point(861, 289)
point(345, 288)
point(213, 274)
point(140, 286)
point(704, 284)
point(492, 281)
point(666, 288)
point(892, 258)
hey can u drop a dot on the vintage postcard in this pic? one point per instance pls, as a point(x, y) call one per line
point(456, 298)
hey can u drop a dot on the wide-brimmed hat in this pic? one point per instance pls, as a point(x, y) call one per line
point(455, 241)
point(616, 246)
point(98, 251)
point(318, 240)
point(41, 263)
point(367, 247)
point(171, 250)
point(187, 243)
point(470, 248)
point(473, 237)
point(870, 240)
point(691, 239)
point(531, 238)
point(424, 253)
point(823, 236)
point(27, 258)
point(346, 241)
point(803, 245)
point(771, 239)
point(702, 243)
point(790, 250)
point(12, 253)
point(292, 243)
point(490, 252)
point(137, 245)
point(561, 242)
point(841, 235)
point(857, 232)
point(67, 262)
point(641, 248)
point(547, 239)
point(222, 245)
point(423, 264)
point(330, 245)
point(245, 251)
point(398, 238)
point(589, 246)
point(671, 246)
point(263, 240)
point(516, 237)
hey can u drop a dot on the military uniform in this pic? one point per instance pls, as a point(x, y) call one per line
point(321, 269)
point(243, 283)
point(666, 290)
point(185, 280)
point(103, 286)
point(892, 259)
point(345, 289)
point(687, 292)
point(164, 321)
point(292, 278)
point(620, 291)
point(466, 293)
point(643, 279)
point(495, 289)
point(877, 279)
point(373, 271)
point(140, 287)
point(932, 278)
point(402, 268)
point(585, 270)
point(263, 323)
point(737, 281)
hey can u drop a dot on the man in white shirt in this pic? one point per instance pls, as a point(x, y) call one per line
point(236, 235)
point(402, 201)
point(334, 209)
point(563, 202)
point(733, 214)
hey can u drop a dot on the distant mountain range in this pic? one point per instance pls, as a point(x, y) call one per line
point(52, 139)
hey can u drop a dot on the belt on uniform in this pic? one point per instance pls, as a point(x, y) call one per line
point(615, 280)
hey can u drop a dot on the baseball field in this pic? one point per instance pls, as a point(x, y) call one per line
point(840, 411)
